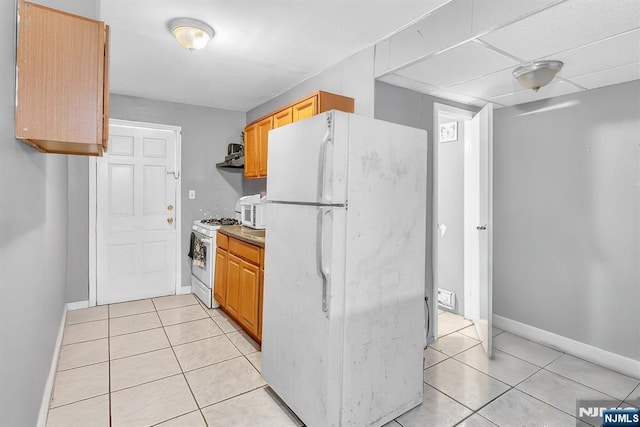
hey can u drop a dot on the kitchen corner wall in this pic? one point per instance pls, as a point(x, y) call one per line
point(33, 245)
point(352, 77)
point(566, 210)
point(206, 132)
point(567, 216)
point(410, 108)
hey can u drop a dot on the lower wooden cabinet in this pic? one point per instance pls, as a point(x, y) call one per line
point(234, 274)
point(248, 305)
point(261, 298)
point(220, 277)
point(238, 284)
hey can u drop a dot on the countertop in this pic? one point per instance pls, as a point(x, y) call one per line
point(246, 234)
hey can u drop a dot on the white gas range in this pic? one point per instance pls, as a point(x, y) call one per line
point(203, 257)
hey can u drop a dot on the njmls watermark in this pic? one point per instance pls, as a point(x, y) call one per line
point(609, 413)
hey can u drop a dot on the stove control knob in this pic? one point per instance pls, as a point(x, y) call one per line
point(170, 220)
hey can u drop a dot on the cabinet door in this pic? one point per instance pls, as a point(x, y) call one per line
point(105, 89)
point(264, 126)
point(249, 290)
point(305, 108)
point(283, 117)
point(251, 154)
point(220, 277)
point(60, 66)
point(234, 275)
point(260, 303)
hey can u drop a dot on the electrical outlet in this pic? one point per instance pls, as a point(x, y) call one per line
point(192, 194)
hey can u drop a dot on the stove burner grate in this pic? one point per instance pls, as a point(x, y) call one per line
point(221, 221)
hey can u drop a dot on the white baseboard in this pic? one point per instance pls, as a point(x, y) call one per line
point(613, 361)
point(48, 387)
point(184, 290)
point(77, 305)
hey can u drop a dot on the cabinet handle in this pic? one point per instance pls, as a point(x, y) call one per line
point(323, 162)
point(324, 272)
point(481, 227)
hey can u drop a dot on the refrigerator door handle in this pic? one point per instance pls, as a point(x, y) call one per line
point(323, 163)
point(324, 272)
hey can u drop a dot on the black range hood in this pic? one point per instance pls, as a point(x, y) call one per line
point(234, 158)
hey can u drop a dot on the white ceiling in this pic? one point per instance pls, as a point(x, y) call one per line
point(261, 48)
point(598, 40)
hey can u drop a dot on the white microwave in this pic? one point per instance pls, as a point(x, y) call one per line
point(252, 212)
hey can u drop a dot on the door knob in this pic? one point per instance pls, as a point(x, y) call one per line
point(170, 220)
point(481, 227)
point(170, 207)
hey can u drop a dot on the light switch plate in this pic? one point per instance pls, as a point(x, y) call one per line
point(192, 194)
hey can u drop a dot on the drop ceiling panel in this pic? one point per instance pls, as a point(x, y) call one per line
point(566, 26)
point(622, 74)
point(489, 86)
point(458, 97)
point(613, 52)
point(397, 80)
point(554, 89)
point(465, 62)
point(442, 29)
point(491, 13)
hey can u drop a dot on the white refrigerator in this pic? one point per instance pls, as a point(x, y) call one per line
point(343, 311)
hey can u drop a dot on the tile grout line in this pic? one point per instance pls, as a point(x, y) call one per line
point(515, 387)
point(455, 400)
point(490, 401)
point(109, 355)
point(183, 375)
point(510, 386)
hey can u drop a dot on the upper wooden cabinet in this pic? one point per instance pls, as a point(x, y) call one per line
point(283, 117)
point(256, 134)
point(263, 128)
point(251, 145)
point(62, 83)
point(305, 108)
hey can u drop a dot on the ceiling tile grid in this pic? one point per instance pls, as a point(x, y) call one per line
point(566, 26)
point(626, 73)
point(598, 40)
point(462, 63)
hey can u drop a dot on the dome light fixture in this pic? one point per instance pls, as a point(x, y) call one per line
point(191, 33)
point(537, 74)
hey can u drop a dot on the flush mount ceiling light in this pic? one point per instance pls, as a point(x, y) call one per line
point(537, 74)
point(191, 33)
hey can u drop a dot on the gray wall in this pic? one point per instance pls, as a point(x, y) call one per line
point(78, 235)
point(410, 108)
point(33, 246)
point(451, 214)
point(352, 77)
point(567, 216)
point(205, 135)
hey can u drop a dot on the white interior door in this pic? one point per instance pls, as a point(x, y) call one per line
point(136, 221)
point(478, 223)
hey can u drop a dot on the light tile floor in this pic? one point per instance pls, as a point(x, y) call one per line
point(164, 361)
point(524, 384)
point(171, 362)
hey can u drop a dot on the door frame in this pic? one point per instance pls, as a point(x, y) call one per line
point(93, 209)
point(464, 115)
